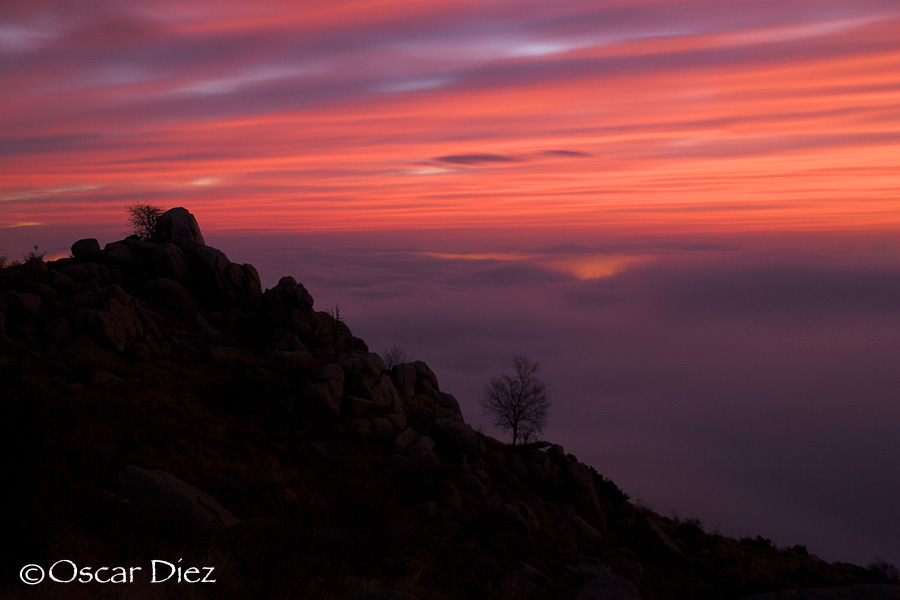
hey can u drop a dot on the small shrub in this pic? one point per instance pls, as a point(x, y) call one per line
point(884, 571)
point(335, 314)
point(758, 542)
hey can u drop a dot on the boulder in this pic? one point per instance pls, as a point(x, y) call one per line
point(208, 267)
point(382, 430)
point(262, 538)
point(120, 324)
point(382, 595)
point(447, 401)
point(243, 281)
point(178, 227)
point(168, 260)
point(584, 531)
point(26, 302)
point(607, 586)
point(141, 250)
point(363, 370)
point(64, 284)
point(86, 250)
point(385, 396)
point(473, 486)
point(361, 428)
point(870, 591)
point(530, 580)
point(284, 340)
point(77, 273)
point(119, 253)
point(316, 399)
point(56, 330)
point(452, 434)
point(586, 500)
point(211, 275)
point(404, 378)
point(172, 501)
point(169, 295)
point(426, 380)
point(285, 361)
point(288, 307)
point(333, 376)
point(421, 453)
point(657, 536)
point(365, 377)
point(397, 421)
point(357, 407)
point(81, 351)
point(404, 439)
point(537, 466)
point(322, 395)
point(114, 327)
point(295, 292)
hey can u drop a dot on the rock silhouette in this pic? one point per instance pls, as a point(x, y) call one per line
point(161, 404)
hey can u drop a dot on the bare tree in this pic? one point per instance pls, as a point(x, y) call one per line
point(518, 403)
point(394, 355)
point(142, 217)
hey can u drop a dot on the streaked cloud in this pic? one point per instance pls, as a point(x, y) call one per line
point(476, 159)
point(618, 116)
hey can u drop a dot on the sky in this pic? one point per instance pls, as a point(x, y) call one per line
point(636, 116)
point(687, 212)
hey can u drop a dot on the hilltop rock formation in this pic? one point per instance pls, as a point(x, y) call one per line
point(151, 384)
point(179, 227)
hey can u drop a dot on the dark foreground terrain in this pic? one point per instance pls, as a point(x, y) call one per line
point(161, 410)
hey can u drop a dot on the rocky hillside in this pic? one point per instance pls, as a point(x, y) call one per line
point(163, 411)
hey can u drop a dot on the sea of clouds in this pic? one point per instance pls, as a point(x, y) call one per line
point(754, 387)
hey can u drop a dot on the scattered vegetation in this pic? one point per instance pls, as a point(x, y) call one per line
point(758, 542)
point(518, 403)
point(35, 255)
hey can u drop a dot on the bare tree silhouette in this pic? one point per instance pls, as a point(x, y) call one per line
point(142, 217)
point(518, 403)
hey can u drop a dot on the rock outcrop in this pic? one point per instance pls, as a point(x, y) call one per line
point(179, 227)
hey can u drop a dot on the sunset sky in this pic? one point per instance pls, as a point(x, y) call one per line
point(688, 212)
point(623, 116)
